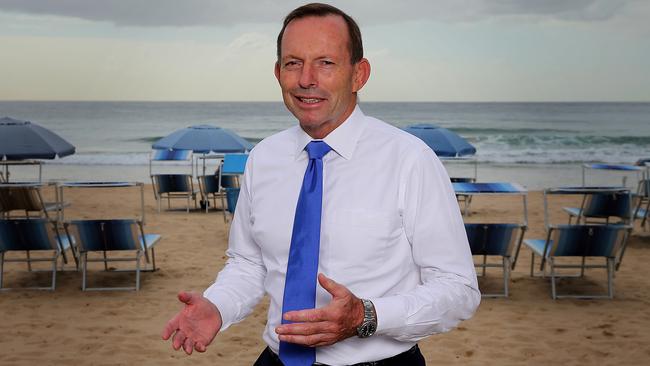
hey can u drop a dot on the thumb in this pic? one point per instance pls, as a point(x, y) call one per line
point(335, 289)
point(188, 298)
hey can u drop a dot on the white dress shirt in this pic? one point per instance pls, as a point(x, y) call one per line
point(391, 232)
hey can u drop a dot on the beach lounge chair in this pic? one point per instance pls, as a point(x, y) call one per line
point(602, 207)
point(503, 240)
point(108, 237)
point(495, 239)
point(642, 208)
point(579, 242)
point(210, 189)
point(173, 186)
point(26, 199)
point(32, 235)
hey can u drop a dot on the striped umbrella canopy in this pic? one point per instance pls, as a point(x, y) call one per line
point(204, 139)
point(443, 142)
point(20, 140)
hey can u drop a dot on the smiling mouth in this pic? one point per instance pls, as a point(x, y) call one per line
point(310, 100)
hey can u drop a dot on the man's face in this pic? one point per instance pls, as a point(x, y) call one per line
point(317, 78)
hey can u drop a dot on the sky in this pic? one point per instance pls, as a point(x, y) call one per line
point(419, 50)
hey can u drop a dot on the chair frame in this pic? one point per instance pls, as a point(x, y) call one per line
point(58, 249)
point(27, 197)
point(162, 156)
point(508, 262)
point(610, 265)
point(142, 250)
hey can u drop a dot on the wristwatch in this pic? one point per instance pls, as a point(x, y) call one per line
point(369, 324)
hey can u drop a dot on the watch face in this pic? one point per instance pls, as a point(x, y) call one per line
point(367, 329)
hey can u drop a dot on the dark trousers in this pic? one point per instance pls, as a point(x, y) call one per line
point(412, 357)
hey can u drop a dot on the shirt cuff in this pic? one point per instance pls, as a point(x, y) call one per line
point(390, 311)
point(225, 306)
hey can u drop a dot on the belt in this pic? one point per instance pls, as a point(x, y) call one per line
point(400, 359)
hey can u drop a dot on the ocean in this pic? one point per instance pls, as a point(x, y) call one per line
point(536, 144)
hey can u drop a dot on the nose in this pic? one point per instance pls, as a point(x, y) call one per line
point(308, 77)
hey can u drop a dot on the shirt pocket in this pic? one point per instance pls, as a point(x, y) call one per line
point(360, 239)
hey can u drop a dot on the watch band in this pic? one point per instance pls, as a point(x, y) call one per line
point(369, 324)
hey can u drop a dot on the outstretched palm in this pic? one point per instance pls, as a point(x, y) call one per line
point(195, 326)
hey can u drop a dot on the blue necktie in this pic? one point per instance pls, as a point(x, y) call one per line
point(302, 267)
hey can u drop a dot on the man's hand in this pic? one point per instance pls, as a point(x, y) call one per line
point(327, 325)
point(195, 325)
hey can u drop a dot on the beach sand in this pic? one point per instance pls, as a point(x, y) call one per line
point(68, 326)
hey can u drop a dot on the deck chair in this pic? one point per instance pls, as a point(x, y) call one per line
point(33, 235)
point(110, 236)
point(173, 186)
point(579, 242)
point(210, 189)
point(601, 207)
point(642, 207)
point(502, 240)
point(26, 199)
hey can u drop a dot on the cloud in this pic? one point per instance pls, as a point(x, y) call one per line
point(155, 13)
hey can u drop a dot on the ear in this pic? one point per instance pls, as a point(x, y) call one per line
point(277, 70)
point(361, 74)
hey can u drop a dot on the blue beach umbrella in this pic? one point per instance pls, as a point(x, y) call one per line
point(204, 139)
point(442, 141)
point(20, 140)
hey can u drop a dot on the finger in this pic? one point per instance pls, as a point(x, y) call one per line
point(188, 346)
point(178, 340)
point(310, 341)
point(199, 347)
point(170, 327)
point(306, 328)
point(331, 286)
point(309, 315)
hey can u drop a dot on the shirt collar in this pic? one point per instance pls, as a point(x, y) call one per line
point(343, 140)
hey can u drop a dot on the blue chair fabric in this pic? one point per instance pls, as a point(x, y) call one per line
point(27, 235)
point(580, 241)
point(113, 235)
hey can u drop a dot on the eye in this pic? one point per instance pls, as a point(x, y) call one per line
point(291, 64)
point(327, 62)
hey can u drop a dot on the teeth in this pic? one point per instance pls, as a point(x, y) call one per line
point(309, 100)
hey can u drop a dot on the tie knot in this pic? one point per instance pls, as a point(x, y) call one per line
point(317, 149)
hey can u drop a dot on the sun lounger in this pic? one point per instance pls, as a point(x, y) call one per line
point(579, 242)
point(500, 239)
point(26, 199)
point(108, 237)
point(32, 235)
point(601, 204)
point(173, 185)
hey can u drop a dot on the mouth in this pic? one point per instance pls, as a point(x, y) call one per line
point(309, 100)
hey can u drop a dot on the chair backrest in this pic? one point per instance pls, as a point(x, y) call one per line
point(210, 183)
point(605, 205)
point(232, 195)
point(27, 234)
point(492, 239)
point(234, 164)
point(100, 235)
point(20, 197)
point(588, 240)
point(167, 183)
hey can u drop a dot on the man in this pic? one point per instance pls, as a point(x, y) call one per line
point(390, 248)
